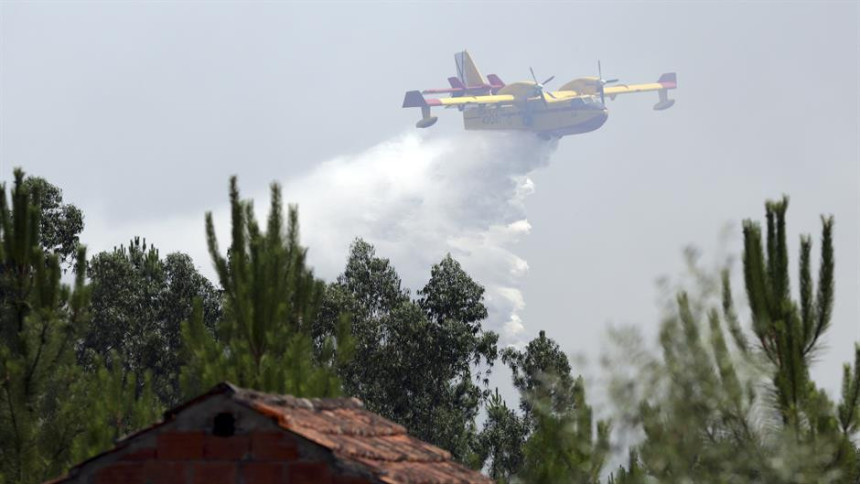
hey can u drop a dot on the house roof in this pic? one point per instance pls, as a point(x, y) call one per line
point(354, 435)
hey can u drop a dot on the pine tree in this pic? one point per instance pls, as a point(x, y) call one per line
point(40, 319)
point(271, 302)
point(710, 420)
point(116, 405)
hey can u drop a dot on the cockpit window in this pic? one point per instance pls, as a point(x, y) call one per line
point(577, 102)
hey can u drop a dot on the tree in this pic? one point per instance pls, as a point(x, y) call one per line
point(60, 223)
point(562, 448)
point(139, 301)
point(117, 404)
point(415, 360)
point(40, 318)
point(500, 443)
point(559, 442)
point(264, 339)
point(541, 372)
point(710, 418)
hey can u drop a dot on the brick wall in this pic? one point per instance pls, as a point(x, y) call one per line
point(195, 457)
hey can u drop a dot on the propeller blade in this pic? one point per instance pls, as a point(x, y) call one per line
point(549, 94)
point(548, 80)
point(610, 81)
point(533, 75)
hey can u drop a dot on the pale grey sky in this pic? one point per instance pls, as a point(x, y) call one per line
point(140, 111)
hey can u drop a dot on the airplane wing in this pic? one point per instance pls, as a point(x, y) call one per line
point(414, 99)
point(666, 81)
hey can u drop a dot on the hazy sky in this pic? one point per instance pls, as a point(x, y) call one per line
point(141, 111)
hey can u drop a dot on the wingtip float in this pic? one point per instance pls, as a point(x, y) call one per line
point(579, 106)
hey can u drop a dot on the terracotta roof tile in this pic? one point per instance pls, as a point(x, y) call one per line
point(357, 435)
point(354, 435)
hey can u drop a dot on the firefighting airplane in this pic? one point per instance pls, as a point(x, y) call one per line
point(577, 107)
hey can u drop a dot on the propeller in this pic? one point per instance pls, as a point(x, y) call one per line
point(539, 86)
point(602, 82)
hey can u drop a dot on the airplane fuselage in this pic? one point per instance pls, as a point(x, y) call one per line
point(556, 119)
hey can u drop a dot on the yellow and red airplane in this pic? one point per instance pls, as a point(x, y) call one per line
point(576, 107)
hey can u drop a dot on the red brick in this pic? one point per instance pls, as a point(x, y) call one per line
point(180, 446)
point(163, 472)
point(274, 446)
point(146, 453)
point(349, 480)
point(309, 473)
point(214, 473)
point(226, 448)
point(263, 472)
point(125, 472)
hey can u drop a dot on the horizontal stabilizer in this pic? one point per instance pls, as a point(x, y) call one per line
point(456, 83)
point(495, 81)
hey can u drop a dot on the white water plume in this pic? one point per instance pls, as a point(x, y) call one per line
point(417, 198)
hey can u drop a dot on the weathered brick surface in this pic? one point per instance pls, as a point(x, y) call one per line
point(274, 446)
point(180, 445)
point(166, 472)
point(308, 473)
point(263, 473)
point(125, 472)
point(146, 453)
point(226, 448)
point(215, 473)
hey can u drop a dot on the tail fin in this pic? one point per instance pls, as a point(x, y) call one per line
point(669, 80)
point(414, 99)
point(495, 81)
point(467, 71)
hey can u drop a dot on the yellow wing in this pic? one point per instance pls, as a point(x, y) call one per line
point(515, 92)
point(466, 100)
point(666, 81)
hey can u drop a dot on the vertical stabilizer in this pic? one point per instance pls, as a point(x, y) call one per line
point(467, 71)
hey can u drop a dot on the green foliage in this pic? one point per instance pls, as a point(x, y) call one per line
point(715, 409)
point(500, 443)
point(414, 360)
point(271, 302)
point(139, 301)
point(632, 474)
point(40, 318)
point(117, 405)
point(60, 223)
point(562, 448)
point(788, 334)
point(541, 372)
